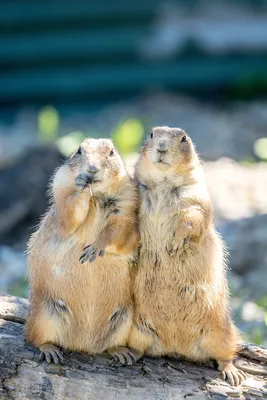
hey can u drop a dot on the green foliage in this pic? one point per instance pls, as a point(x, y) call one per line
point(248, 161)
point(257, 336)
point(128, 135)
point(262, 302)
point(260, 148)
point(248, 86)
point(48, 124)
point(20, 288)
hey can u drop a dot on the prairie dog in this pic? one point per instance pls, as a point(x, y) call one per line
point(180, 291)
point(84, 306)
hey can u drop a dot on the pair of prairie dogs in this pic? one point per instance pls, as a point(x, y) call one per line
point(152, 280)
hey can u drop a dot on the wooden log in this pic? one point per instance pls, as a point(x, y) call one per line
point(23, 376)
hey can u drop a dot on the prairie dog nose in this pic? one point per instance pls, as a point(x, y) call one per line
point(163, 145)
point(92, 169)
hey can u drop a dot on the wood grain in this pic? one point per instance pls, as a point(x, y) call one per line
point(82, 376)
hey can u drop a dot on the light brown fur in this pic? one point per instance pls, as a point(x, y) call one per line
point(181, 291)
point(85, 306)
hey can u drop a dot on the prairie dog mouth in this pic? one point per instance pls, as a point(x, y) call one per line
point(91, 180)
point(161, 162)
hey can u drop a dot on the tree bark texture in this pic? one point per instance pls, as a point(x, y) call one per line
point(81, 376)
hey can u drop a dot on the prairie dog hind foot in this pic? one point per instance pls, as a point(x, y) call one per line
point(231, 373)
point(124, 355)
point(50, 353)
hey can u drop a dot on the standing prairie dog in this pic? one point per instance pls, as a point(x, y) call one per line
point(84, 306)
point(180, 292)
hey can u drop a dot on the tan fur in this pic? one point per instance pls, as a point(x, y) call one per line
point(74, 305)
point(181, 292)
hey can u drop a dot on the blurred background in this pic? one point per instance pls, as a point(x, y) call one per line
point(71, 69)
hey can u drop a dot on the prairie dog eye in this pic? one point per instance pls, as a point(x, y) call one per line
point(79, 151)
point(183, 139)
point(111, 152)
point(151, 135)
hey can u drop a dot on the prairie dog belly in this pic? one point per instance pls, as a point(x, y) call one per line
point(158, 217)
point(92, 297)
point(173, 293)
point(155, 292)
point(102, 304)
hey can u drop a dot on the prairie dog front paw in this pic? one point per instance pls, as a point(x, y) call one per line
point(91, 252)
point(184, 230)
point(82, 182)
point(180, 241)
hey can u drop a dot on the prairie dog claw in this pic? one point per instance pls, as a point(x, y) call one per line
point(231, 373)
point(123, 355)
point(50, 353)
point(90, 252)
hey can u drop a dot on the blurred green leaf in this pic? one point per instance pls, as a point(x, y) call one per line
point(257, 336)
point(128, 135)
point(48, 124)
point(248, 161)
point(260, 148)
point(262, 302)
point(19, 288)
point(248, 86)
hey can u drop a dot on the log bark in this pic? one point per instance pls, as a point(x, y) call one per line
point(81, 376)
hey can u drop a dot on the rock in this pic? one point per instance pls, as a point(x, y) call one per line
point(12, 267)
point(23, 188)
point(18, 136)
point(13, 308)
point(246, 240)
point(237, 190)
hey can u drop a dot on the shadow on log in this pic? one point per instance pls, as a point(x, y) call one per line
point(81, 376)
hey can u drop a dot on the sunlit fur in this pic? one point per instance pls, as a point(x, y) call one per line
point(181, 292)
point(73, 304)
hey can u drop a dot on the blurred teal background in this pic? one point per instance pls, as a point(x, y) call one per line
point(76, 57)
point(63, 51)
point(71, 69)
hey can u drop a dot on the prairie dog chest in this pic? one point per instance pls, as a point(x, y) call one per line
point(101, 209)
point(160, 201)
point(107, 205)
point(160, 206)
point(104, 207)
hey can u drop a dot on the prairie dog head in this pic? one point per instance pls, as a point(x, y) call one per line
point(167, 152)
point(100, 160)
